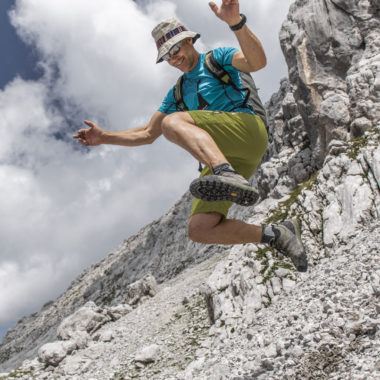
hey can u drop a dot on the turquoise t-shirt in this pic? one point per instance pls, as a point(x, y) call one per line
point(201, 90)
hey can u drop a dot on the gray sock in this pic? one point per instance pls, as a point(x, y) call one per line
point(268, 235)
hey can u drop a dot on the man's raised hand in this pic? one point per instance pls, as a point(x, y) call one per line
point(91, 136)
point(228, 11)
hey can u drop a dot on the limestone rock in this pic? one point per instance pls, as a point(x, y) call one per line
point(136, 292)
point(332, 50)
point(54, 353)
point(148, 354)
point(118, 311)
point(104, 336)
point(87, 319)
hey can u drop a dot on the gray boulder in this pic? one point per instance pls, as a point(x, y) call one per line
point(84, 321)
point(54, 353)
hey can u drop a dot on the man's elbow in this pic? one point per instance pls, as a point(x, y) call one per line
point(151, 141)
point(260, 64)
point(151, 138)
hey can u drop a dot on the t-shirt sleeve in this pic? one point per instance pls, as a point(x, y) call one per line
point(168, 105)
point(224, 55)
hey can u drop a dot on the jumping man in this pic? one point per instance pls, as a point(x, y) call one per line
point(215, 124)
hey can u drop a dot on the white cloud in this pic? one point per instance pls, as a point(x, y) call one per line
point(64, 207)
point(22, 111)
point(103, 53)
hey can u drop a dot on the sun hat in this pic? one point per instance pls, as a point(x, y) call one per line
point(169, 32)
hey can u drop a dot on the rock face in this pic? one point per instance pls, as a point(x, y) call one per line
point(162, 307)
point(332, 51)
point(333, 207)
point(325, 327)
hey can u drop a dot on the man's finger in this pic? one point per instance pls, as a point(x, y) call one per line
point(79, 134)
point(89, 123)
point(83, 142)
point(213, 6)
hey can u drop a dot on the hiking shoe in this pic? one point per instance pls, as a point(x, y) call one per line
point(288, 241)
point(225, 186)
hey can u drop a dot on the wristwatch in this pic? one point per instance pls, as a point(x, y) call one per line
point(241, 23)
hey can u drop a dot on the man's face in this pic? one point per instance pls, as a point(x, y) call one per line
point(187, 58)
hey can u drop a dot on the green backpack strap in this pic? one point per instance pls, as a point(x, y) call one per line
point(217, 70)
point(222, 75)
point(180, 104)
point(178, 96)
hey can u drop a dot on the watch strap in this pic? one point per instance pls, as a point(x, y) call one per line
point(240, 24)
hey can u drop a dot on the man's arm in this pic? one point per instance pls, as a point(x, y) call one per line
point(252, 56)
point(146, 134)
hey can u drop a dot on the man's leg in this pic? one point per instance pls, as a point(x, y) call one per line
point(225, 183)
point(213, 228)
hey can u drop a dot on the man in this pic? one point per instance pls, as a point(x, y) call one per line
point(220, 129)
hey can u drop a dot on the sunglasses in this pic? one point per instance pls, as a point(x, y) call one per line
point(173, 51)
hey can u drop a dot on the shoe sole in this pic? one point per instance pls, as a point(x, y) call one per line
point(294, 227)
point(215, 188)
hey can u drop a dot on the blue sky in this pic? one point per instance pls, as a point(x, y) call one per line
point(96, 60)
point(17, 58)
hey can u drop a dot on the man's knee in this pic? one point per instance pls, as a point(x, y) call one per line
point(171, 124)
point(195, 231)
point(167, 124)
point(201, 225)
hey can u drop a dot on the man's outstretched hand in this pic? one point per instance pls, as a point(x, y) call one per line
point(90, 137)
point(228, 11)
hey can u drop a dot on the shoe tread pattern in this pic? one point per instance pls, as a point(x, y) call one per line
point(212, 188)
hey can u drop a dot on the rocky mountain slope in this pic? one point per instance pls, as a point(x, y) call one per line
point(162, 307)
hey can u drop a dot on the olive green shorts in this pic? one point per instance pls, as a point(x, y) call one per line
point(242, 138)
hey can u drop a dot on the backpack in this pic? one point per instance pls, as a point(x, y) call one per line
point(251, 100)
